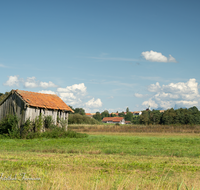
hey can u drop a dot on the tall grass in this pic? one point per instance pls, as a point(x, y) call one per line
point(136, 128)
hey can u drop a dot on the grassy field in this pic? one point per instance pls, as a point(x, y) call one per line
point(102, 161)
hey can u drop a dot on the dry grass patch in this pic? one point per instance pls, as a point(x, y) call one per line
point(136, 128)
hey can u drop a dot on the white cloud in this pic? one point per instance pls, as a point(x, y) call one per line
point(171, 59)
point(67, 95)
point(94, 103)
point(76, 94)
point(47, 84)
point(151, 103)
point(174, 94)
point(31, 83)
point(157, 57)
point(47, 92)
point(154, 87)
point(76, 88)
point(138, 95)
point(12, 81)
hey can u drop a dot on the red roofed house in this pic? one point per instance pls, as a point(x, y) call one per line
point(27, 105)
point(119, 120)
point(89, 114)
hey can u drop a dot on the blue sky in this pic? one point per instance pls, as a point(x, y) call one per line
point(103, 55)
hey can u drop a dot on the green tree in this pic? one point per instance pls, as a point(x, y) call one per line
point(136, 119)
point(122, 114)
point(168, 117)
point(81, 111)
point(2, 96)
point(129, 116)
point(105, 114)
point(154, 117)
point(144, 118)
point(97, 116)
point(127, 110)
point(113, 115)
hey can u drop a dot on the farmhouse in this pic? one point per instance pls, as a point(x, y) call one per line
point(89, 115)
point(119, 120)
point(28, 105)
point(137, 113)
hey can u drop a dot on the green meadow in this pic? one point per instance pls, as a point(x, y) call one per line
point(102, 161)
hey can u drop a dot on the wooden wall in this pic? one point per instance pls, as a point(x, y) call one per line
point(13, 105)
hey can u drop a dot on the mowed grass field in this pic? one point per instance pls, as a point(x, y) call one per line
point(102, 161)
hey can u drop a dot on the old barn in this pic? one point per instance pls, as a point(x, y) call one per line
point(27, 105)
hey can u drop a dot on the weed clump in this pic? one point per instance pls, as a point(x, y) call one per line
point(41, 127)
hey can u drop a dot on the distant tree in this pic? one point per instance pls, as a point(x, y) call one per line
point(168, 117)
point(154, 117)
point(105, 114)
point(144, 118)
point(113, 115)
point(193, 110)
point(97, 116)
point(129, 116)
point(2, 96)
point(127, 110)
point(81, 111)
point(136, 119)
point(122, 114)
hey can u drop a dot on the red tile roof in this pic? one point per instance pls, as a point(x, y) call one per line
point(113, 119)
point(88, 114)
point(40, 100)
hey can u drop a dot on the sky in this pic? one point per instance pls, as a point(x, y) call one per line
point(103, 55)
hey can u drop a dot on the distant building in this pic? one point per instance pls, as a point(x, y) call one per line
point(89, 114)
point(119, 120)
point(148, 109)
point(137, 113)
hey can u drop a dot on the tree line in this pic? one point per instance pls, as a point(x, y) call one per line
point(170, 116)
point(154, 117)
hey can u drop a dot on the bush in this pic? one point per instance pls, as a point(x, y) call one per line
point(9, 124)
point(38, 123)
point(63, 123)
point(81, 119)
point(48, 122)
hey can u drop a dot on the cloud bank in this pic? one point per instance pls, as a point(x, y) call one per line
point(30, 82)
point(174, 95)
point(74, 95)
point(154, 56)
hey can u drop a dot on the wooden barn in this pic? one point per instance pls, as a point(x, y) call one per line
point(27, 105)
